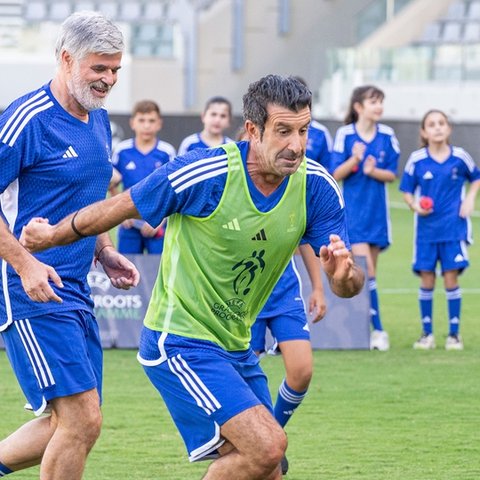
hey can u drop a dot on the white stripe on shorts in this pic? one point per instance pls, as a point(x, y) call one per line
point(192, 383)
point(202, 453)
point(35, 354)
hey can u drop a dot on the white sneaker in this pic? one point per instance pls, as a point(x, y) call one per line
point(454, 342)
point(425, 342)
point(379, 340)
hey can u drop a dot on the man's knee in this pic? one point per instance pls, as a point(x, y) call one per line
point(269, 448)
point(80, 415)
point(91, 426)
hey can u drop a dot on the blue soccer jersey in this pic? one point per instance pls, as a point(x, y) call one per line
point(193, 184)
point(444, 182)
point(285, 296)
point(366, 199)
point(52, 164)
point(135, 165)
point(319, 144)
point(194, 141)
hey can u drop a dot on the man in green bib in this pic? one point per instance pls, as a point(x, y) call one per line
point(236, 214)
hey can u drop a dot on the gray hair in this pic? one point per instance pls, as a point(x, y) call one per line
point(286, 92)
point(83, 33)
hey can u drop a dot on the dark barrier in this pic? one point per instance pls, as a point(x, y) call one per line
point(346, 326)
point(120, 313)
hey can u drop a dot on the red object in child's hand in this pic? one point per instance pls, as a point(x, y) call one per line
point(426, 203)
point(355, 168)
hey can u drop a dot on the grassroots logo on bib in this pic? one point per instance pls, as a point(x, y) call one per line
point(236, 305)
point(232, 310)
point(249, 266)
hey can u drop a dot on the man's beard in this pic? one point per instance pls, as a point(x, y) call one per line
point(81, 92)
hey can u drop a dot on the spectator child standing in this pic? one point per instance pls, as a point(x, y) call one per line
point(436, 174)
point(134, 159)
point(365, 156)
point(216, 119)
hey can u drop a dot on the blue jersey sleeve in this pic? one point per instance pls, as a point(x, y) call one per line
point(191, 185)
point(325, 210)
point(340, 152)
point(19, 146)
point(393, 154)
point(473, 172)
point(408, 183)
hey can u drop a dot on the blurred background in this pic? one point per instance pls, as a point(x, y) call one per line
point(423, 53)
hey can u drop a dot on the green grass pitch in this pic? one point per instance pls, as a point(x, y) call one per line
point(397, 415)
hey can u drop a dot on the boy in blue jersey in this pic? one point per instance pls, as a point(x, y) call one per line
point(216, 272)
point(134, 159)
point(216, 118)
point(55, 153)
point(365, 156)
point(433, 186)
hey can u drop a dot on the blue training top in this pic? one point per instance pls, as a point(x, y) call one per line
point(445, 183)
point(195, 141)
point(366, 198)
point(52, 165)
point(135, 165)
point(319, 144)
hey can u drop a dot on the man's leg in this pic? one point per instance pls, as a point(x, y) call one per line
point(256, 445)
point(79, 421)
point(25, 447)
point(60, 442)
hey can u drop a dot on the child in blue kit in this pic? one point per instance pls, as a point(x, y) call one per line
point(133, 160)
point(365, 155)
point(438, 172)
point(216, 118)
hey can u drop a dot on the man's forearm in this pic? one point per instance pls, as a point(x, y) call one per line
point(94, 219)
point(11, 250)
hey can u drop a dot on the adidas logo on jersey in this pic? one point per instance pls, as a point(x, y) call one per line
point(459, 258)
point(428, 175)
point(70, 153)
point(232, 225)
point(260, 235)
point(130, 166)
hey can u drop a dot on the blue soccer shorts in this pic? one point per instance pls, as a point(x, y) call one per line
point(451, 255)
point(55, 355)
point(202, 385)
point(131, 241)
point(290, 325)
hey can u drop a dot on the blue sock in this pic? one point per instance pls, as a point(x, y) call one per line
point(454, 300)
point(4, 470)
point(374, 309)
point(287, 401)
point(425, 298)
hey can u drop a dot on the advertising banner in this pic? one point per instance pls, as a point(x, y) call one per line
point(120, 313)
